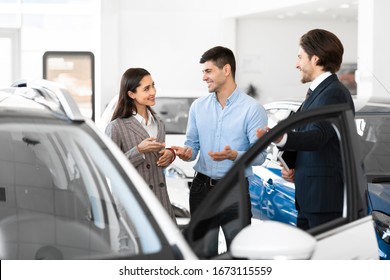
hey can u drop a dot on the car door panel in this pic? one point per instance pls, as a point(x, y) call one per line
point(352, 241)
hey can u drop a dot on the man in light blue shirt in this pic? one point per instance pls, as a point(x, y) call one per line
point(221, 127)
point(221, 135)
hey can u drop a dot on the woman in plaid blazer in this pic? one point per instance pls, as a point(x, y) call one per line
point(140, 133)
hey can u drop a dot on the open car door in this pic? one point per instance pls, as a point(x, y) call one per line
point(350, 237)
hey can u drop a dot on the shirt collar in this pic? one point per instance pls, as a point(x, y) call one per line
point(233, 97)
point(319, 80)
point(141, 119)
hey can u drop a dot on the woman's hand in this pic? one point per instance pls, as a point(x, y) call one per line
point(166, 158)
point(150, 145)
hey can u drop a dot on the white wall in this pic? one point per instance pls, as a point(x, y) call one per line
point(168, 38)
point(267, 53)
point(373, 77)
point(55, 29)
point(60, 26)
point(107, 56)
point(167, 43)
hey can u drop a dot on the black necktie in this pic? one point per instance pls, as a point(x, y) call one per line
point(309, 91)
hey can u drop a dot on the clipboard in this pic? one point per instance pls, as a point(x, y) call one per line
point(287, 159)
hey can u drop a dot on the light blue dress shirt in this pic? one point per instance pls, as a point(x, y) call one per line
point(211, 129)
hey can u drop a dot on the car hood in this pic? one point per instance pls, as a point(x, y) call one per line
point(379, 197)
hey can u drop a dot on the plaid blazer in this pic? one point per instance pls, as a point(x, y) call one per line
point(127, 133)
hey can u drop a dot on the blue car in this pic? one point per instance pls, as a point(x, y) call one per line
point(273, 198)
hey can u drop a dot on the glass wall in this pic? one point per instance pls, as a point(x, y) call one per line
point(30, 28)
point(9, 51)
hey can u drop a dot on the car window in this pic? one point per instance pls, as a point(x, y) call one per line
point(174, 113)
point(375, 144)
point(56, 183)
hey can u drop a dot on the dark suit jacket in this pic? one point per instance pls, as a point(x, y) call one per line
point(318, 167)
point(127, 134)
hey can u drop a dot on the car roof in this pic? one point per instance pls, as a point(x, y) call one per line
point(161, 93)
point(372, 104)
point(363, 104)
point(38, 98)
point(180, 93)
point(284, 102)
point(14, 105)
point(164, 94)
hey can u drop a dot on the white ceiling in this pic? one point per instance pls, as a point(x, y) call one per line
point(276, 9)
point(345, 10)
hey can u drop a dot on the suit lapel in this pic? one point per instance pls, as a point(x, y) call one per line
point(317, 91)
point(160, 129)
point(134, 125)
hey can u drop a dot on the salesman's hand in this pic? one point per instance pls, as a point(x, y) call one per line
point(184, 153)
point(261, 131)
point(288, 175)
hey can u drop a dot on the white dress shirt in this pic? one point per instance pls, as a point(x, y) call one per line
point(313, 86)
point(150, 127)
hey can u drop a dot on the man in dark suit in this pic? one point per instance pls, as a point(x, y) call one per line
point(318, 173)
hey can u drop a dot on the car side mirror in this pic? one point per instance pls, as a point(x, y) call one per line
point(272, 240)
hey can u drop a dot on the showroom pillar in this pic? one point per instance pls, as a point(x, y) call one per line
point(108, 70)
point(373, 48)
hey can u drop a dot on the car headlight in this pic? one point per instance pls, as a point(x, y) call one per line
point(174, 172)
point(382, 225)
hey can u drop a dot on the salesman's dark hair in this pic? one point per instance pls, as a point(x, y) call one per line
point(326, 46)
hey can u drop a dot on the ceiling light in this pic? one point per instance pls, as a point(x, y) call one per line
point(344, 6)
point(290, 14)
point(321, 10)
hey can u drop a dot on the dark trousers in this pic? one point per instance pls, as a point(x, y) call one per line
point(201, 186)
point(307, 220)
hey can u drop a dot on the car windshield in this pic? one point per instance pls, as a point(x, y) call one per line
point(174, 113)
point(58, 183)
